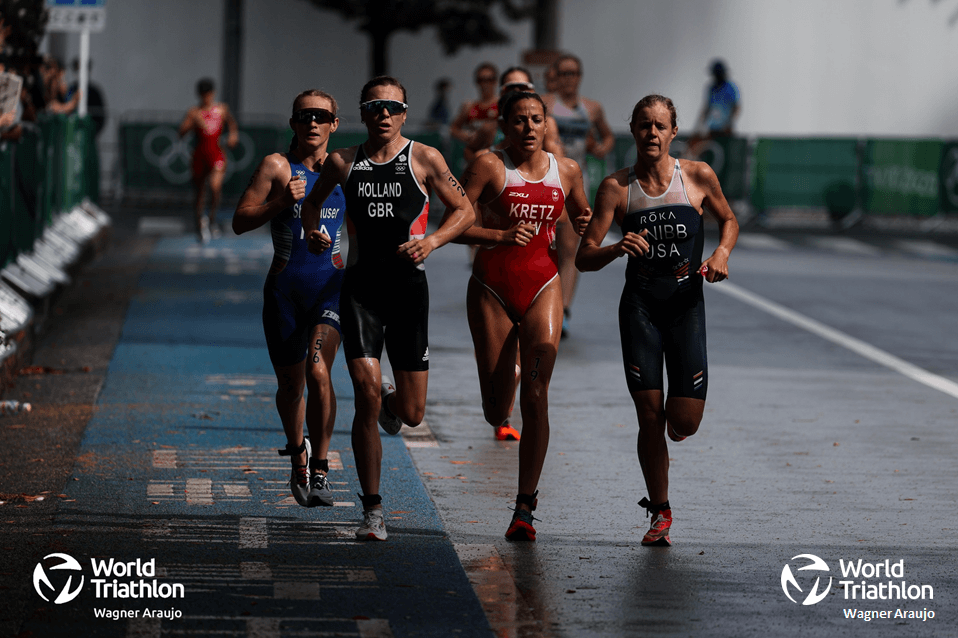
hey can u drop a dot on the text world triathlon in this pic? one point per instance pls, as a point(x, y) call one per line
point(889, 590)
point(134, 588)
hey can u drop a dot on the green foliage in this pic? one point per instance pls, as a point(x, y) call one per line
point(27, 21)
point(458, 23)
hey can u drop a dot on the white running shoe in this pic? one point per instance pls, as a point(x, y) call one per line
point(373, 527)
point(389, 422)
point(299, 477)
point(319, 492)
point(203, 233)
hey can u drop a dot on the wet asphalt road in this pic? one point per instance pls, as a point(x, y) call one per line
point(807, 448)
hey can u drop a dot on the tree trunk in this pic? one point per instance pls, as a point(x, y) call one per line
point(379, 53)
point(545, 33)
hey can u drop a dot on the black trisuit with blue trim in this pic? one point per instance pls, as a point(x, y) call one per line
point(302, 289)
point(662, 310)
point(385, 298)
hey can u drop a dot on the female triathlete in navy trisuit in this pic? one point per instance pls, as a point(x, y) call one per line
point(301, 294)
point(658, 203)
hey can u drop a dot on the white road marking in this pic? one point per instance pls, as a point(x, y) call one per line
point(263, 627)
point(419, 436)
point(144, 628)
point(255, 570)
point(160, 226)
point(844, 245)
point(760, 241)
point(253, 533)
point(165, 459)
point(374, 628)
point(199, 491)
point(159, 489)
point(857, 346)
point(927, 248)
point(296, 590)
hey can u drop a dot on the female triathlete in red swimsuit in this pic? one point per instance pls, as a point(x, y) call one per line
point(514, 300)
point(207, 121)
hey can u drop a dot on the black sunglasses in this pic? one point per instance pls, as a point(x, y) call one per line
point(517, 86)
point(305, 116)
point(393, 107)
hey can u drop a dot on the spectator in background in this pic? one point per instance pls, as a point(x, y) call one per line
point(439, 112)
point(468, 125)
point(95, 104)
point(583, 130)
point(10, 128)
point(56, 93)
point(719, 111)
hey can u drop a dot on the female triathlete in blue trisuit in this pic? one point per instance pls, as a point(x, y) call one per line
point(301, 294)
point(658, 203)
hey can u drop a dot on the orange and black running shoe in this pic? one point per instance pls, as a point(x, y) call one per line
point(506, 432)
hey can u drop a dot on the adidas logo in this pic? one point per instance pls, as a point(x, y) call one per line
point(425, 357)
point(362, 166)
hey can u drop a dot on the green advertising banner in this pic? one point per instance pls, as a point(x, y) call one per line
point(902, 176)
point(948, 178)
point(154, 157)
point(728, 157)
point(7, 250)
point(804, 172)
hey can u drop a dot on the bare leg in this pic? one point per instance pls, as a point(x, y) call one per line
point(291, 406)
point(199, 192)
point(409, 400)
point(539, 335)
point(216, 192)
point(367, 448)
point(321, 400)
point(685, 415)
point(496, 340)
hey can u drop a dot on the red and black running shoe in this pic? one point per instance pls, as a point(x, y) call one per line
point(521, 528)
point(658, 533)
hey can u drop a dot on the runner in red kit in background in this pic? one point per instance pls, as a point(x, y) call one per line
point(514, 300)
point(207, 121)
point(475, 124)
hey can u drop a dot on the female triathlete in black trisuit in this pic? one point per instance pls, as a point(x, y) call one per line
point(384, 299)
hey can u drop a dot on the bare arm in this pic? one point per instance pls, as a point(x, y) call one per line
point(189, 122)
point(459, 212)
point(599, 148)
point(552, 142)
point(714, 200)
point(270, 191)
point(482, 177)
point(333, 173)
point(608, 200)
point(456, 128)
point(576, 201)
point(233, 138)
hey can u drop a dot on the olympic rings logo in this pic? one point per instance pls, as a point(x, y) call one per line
point(164, 149)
